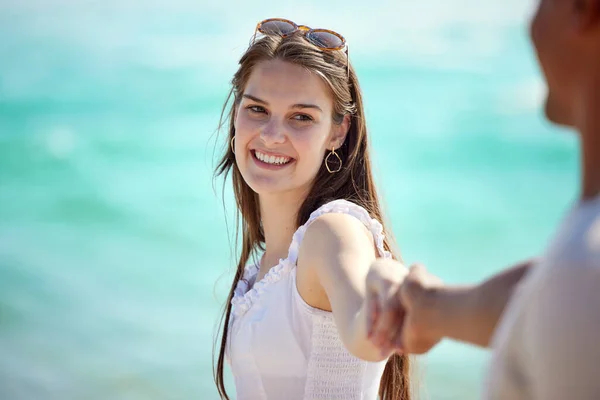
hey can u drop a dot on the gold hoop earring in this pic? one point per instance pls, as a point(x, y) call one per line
point(339, 161)
point(231, 143)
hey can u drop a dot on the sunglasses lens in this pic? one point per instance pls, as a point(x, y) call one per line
point(325, 39)
point(277, 27)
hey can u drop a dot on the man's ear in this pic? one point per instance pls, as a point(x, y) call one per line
point(587, 14)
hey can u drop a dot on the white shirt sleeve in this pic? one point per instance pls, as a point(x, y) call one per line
point(562, 335)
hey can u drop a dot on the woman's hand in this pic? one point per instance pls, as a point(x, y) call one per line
point(403, 314)
point(385, 312)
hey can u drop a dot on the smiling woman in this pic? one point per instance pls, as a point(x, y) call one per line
point(300, 167)
point(284, 123)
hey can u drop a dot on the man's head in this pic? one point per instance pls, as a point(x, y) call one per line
point(566, 35)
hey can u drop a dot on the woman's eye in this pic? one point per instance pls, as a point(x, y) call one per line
point(303, 117)
point(256, 109)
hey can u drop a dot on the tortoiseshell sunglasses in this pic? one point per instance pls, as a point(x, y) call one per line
point(322, 38)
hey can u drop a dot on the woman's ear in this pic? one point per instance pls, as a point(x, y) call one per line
point(340, 132)
point(234, 116)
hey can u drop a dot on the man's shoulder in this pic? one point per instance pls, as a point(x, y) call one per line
point(577, 242)
point(563, 294)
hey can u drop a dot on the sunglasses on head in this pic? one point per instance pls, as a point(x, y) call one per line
point(324, 39)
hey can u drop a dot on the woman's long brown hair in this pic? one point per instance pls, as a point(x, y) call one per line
point(354, 182)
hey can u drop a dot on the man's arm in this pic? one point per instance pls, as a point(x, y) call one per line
point(471, 314)
point(432, 311)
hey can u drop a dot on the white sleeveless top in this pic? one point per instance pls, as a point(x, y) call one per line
point(279, 347)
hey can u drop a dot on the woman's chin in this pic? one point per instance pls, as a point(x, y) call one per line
point(277, 187)
point(269, 186)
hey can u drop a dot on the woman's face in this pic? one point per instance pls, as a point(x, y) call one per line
point(284, 127)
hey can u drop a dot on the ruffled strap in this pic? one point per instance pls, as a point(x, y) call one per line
point(243, 284)
point(341, 207)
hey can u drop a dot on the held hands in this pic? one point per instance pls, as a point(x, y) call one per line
point(402, 314)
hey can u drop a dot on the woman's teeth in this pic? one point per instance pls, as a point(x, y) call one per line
point(271, 159)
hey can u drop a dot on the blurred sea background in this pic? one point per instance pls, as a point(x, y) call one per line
point(114, 251)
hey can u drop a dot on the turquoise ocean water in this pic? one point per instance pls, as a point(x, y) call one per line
point(112, 240)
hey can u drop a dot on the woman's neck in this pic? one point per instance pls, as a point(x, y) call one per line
point(279, 214)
